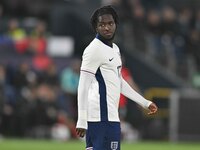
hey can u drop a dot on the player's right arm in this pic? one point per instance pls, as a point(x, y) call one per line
point(83, 88)
point(91, 61)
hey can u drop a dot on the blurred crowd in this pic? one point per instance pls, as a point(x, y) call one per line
point(168, 34)
point(33, 101)
point(38, 97)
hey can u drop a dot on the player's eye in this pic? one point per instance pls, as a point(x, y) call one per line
point(102, 25)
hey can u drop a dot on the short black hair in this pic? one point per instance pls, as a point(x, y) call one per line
point(102, 11)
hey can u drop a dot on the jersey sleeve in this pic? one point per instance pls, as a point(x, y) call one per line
point(129, 92)
point(91, 59)
point(83, 87)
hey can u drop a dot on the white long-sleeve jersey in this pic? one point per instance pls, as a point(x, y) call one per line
point(101, 83)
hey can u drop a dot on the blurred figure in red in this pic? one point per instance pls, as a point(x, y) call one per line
point(37, 40)
point(128, 132)
point(126, 74)
point(18, 36)
point(41, 62)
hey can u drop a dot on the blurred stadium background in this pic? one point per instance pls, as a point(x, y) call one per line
point(41, 43)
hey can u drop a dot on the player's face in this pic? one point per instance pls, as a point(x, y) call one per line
point(106, 26)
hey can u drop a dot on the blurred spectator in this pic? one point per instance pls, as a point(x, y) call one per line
point(49, 113)
point(154, 35)
point(185, 21)
point(43, 113)
point(69, 84)
point(194, 46)
point(139, 29)
point(41, 62)
point(37, 39)
point(70, 77)
point(18, 35)
point(23, 113)
point(5, 41)
point(169, 30)
point(24, 76)
point(7, 105)
point(49, 75)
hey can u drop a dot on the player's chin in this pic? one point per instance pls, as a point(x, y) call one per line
point(108, 36)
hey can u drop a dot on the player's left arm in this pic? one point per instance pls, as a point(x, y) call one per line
point(130, 93)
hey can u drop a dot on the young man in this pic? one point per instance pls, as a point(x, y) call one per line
point(100, 86)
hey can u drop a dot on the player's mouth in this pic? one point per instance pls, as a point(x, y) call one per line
point(108, 33)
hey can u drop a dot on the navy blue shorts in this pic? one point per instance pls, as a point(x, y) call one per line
point(103, 136)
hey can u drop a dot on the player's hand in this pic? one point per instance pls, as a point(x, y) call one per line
point(80, 132)
point(153, 108)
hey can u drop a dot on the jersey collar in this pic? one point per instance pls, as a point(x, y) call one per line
point(102, 39)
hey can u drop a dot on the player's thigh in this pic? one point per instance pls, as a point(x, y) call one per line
point(103, 135)
point(113, 136)
point(96, 135)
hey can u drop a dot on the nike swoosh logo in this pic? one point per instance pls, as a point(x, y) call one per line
point(111, 59)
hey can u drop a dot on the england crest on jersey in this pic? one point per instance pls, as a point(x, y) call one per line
point(114, 145)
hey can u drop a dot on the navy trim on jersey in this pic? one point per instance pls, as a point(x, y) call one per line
point(87, 71)
point(106, 42)
point(102, 92)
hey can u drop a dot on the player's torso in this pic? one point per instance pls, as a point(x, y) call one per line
point(105, 90)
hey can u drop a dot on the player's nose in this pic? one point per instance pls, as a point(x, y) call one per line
point(107, 27)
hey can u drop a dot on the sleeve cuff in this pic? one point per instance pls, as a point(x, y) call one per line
point(82, 124)
point(148, 104)
point(82, 119)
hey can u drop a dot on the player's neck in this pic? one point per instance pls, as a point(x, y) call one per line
point(105, 41)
